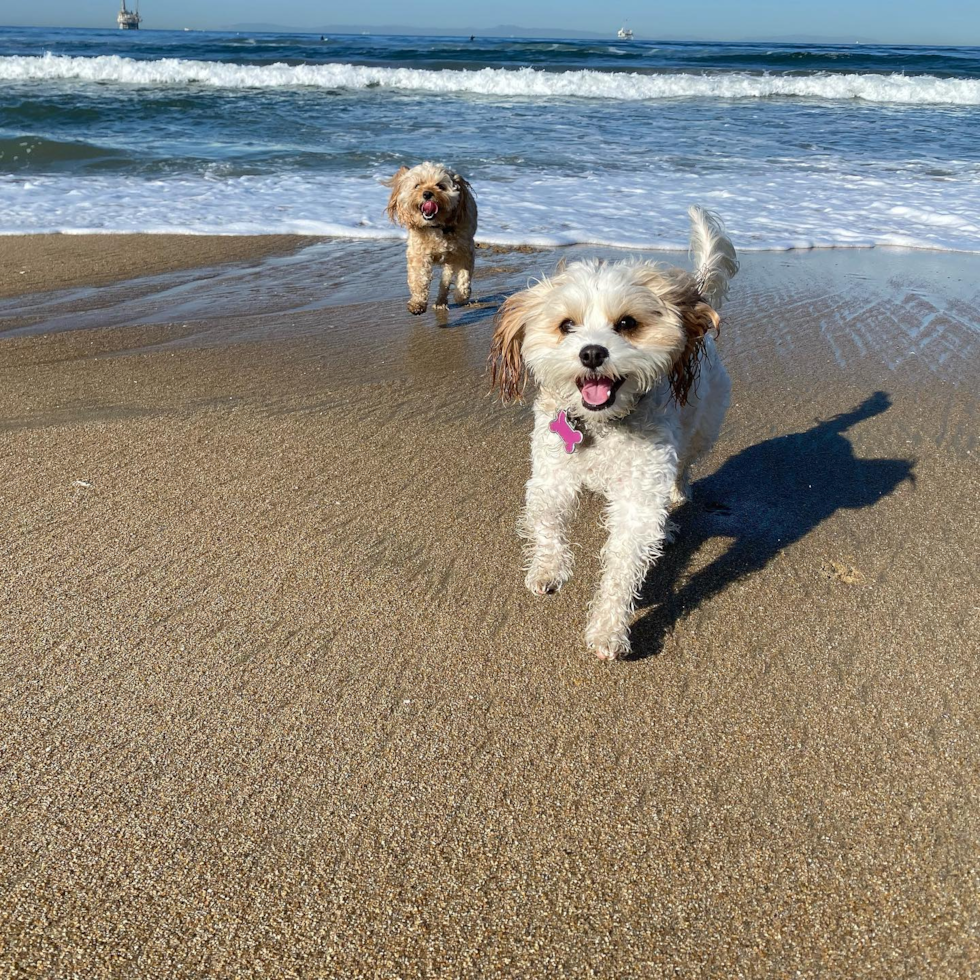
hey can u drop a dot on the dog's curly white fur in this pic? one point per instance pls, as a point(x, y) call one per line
point(437, 208)
point(626, 349)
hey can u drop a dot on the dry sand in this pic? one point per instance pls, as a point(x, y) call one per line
point(276, 704)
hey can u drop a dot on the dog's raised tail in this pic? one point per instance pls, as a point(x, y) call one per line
point(714, 256)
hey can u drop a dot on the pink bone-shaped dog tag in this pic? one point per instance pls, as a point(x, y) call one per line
point(570, 436)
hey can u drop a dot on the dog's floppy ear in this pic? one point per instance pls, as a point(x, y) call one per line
point(394, 182)
point(698, 320)
point(508, 373)
point(466, 195)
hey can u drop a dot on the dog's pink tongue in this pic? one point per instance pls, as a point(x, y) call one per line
point(597, 392)
point(429, 208)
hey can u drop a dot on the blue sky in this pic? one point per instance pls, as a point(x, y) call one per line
point(897, 21)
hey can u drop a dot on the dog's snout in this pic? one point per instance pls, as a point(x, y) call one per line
point(592, 355)
point(427, 195)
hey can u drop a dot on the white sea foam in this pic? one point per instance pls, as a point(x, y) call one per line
point(500, 82)
point(778, 211)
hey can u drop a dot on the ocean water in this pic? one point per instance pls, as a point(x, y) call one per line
point(565, 142)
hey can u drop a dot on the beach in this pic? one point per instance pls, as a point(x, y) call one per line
point(48, 263)
point(276, 702)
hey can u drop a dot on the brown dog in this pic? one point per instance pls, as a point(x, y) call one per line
point(437, 208)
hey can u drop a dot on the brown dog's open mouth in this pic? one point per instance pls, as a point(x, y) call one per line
point(429, 209)
point(598, 392)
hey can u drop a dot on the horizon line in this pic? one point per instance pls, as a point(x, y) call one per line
point(491, 33)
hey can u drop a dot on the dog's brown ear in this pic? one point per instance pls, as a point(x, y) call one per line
point(394, 182)
point(466, 195)
point(508, 374)
point(698, 319)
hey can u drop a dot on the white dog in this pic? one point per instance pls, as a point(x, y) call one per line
point(625, 350)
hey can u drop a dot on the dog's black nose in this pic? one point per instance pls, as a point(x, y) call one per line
point(427, 195)
point(592, 355)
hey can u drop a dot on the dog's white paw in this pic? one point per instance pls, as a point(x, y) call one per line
point(679, 495)
point(609, 649)
point(416, 308)
point(607, 645)
point(547, 573)
point(543, 582)
point(671, 530)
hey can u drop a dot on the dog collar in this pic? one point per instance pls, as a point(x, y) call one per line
point(583, 424)
point(567, 425)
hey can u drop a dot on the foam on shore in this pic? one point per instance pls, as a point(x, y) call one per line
point(499, 82)
point(782, 210)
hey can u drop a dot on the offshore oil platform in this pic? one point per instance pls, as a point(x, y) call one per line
point(129, 20)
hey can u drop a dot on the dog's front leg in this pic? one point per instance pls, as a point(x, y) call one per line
point(636, 519)
point(419, 278)
point(442, 299)
point(549, 505)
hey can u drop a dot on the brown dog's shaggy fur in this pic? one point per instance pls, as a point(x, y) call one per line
point(437, 208)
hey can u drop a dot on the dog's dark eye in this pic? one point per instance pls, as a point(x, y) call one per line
point(626, 323)
point(441, 187)
point(566, 326)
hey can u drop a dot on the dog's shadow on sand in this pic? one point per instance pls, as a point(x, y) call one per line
point(765, 498)
point(465, 315)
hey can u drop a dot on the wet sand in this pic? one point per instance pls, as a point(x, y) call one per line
point(35, 263)
point(276, 703)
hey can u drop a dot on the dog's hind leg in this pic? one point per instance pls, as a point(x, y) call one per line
point(710, 415)
point(464, 277)
point(680, 492)
point(442, 299)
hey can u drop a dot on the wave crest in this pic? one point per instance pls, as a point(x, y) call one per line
point(499, 82)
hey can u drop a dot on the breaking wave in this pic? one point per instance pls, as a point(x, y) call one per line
point(499, 82)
